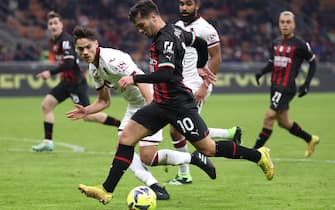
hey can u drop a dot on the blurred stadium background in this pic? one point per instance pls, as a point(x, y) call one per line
point(49, 180)
point(246, 28)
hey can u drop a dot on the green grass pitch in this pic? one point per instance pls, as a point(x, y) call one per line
point(84, 151)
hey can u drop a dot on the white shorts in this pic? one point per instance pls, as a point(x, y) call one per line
point(152, 140)
point(195, 87)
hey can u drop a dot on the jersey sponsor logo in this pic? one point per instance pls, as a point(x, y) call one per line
point(281, 61)
point(66, 45)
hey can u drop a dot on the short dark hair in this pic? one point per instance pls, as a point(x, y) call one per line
point(53, 14)
point(142, 8)
point(80, 32)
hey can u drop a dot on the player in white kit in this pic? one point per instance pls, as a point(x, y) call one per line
point(191, 21)
point(107, 66)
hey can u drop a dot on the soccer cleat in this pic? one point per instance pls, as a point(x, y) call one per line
point(181, 179)
point(97, 192)
point(204, 163)
point(266, 163)
point(237, 135)
point(45, 145)
point(161, 193)
point(311, 146)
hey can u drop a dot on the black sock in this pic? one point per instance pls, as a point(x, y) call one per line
point(297, 131)
point(48, 130)
point(112, 121)
point(230, 149)
point(262, 138)
point(122, 160)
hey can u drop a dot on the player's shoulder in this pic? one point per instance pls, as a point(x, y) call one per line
point(299, 40)
point(65, 36)
point(168, 33)
point(108, 53)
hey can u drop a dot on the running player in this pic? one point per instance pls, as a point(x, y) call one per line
point(190, 20)
point(287, 53)
point(73, 83)
point(173, 104)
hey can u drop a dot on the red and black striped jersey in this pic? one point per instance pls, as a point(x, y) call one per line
point(167, 51)
point(64, 50)
point(287, 55)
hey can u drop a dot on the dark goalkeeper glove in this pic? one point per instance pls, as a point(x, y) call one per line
point(303, 90)
point(257, 77)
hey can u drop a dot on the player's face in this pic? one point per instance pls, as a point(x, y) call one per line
point(55, 26)
point(286, 25)
point(145, 26)
point(87, 49)
point(188, 10)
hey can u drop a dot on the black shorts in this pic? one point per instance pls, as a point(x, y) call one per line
point(189, 123)
point(280, 101)
point(77, 92)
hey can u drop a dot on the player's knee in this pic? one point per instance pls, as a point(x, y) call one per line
point(175, 135)
point(147, 159)
point(46, 107)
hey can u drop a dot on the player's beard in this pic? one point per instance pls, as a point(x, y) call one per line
point(188, 18)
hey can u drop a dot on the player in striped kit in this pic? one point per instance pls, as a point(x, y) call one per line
point(286, 56)
point(190, 20)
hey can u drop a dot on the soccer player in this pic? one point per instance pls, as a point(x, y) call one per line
point(173, 104)
point(73, 83)
point(191, 21)
point(286, 55)
point(107, 66)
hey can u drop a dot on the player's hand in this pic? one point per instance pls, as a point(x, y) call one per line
point(44, 74)
point(207, 75)
point(200, 94)
point(257, 77)
point(78, 113)
point(126, 81)
point(303, 90)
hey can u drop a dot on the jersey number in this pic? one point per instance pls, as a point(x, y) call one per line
point(276, 97)
point(186, 124)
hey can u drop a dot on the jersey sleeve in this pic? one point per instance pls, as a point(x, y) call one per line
point(68, 49)
point(307, 52)
point(210, 35)
point(166, 53)
point(189, 38)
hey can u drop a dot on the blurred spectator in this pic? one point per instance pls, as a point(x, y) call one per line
point(245, 26)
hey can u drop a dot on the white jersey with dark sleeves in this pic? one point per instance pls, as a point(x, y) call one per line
point(114, 64)
point(207, 32)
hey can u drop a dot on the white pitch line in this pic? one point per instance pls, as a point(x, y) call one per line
point(73, 147)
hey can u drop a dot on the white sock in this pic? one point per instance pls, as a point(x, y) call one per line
point(218, 133)
point(170, 157)
point(141, 171)
point(183, 169)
